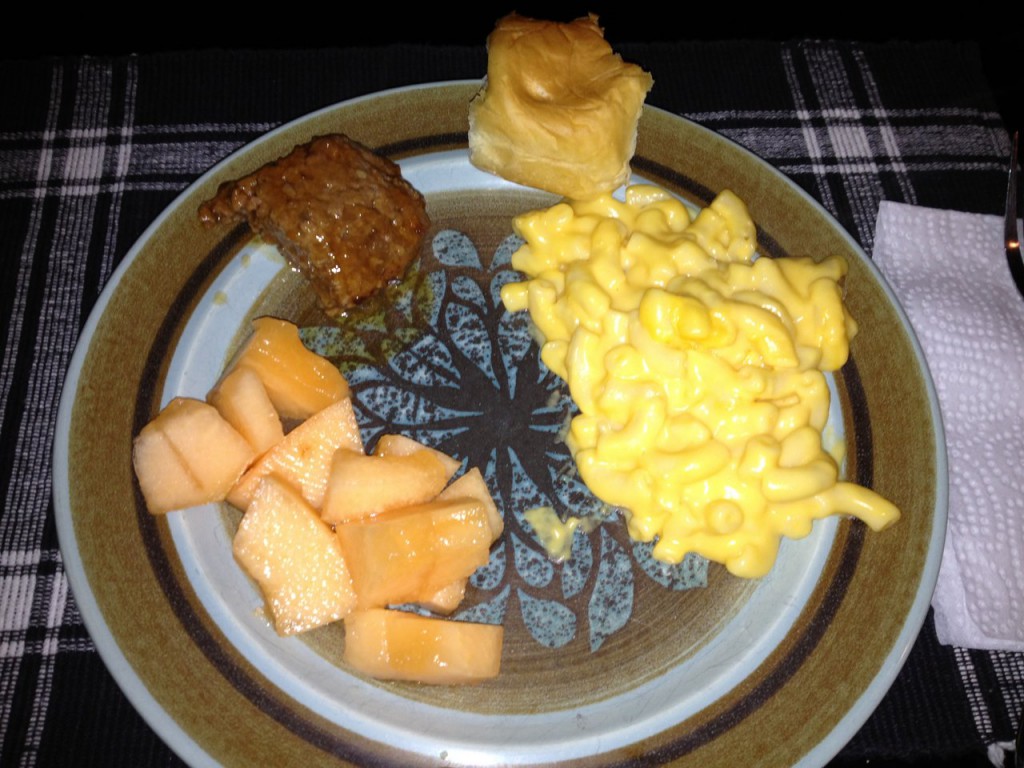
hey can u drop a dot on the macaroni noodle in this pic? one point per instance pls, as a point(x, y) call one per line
point(697, 370)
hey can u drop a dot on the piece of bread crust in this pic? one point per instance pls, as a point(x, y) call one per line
point(559, 109)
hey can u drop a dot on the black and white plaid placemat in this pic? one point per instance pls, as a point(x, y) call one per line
point(92, 149)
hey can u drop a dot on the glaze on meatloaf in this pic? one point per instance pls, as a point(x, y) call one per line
point(342, 215)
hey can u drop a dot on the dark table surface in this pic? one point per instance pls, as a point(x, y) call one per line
point(129, 132)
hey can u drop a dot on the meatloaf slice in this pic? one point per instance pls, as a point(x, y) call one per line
point(341, 214)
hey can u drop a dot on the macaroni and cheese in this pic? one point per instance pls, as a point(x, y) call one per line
point(697, 369)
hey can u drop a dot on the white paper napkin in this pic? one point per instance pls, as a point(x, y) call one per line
point(949, 271)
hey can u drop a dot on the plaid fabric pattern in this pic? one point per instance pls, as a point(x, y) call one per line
point(92, 149)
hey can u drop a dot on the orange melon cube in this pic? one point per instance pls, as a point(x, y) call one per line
point(303, 457)
point(188, 455)
point(446, 599)
point(395, 645)
point(362, 486)
point(473, 486)
point(295, 558)
point(298, 381)
point(242, 400)
point(400, 445)
point(408, 555)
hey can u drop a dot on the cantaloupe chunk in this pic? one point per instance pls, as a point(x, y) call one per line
point(298, 381)
point(400, 445)
point(303, 457)
point(188, 455)
point(242, 400)
point(408, 555)
point(295, 558)
point(395, 645)
point(446, 599)
point(362, 486)
point(472, 485)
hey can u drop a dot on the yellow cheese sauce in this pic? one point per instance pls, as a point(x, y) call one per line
point(556, 534)
point(697, 369)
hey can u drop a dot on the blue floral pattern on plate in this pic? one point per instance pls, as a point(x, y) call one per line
point(440, 360)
